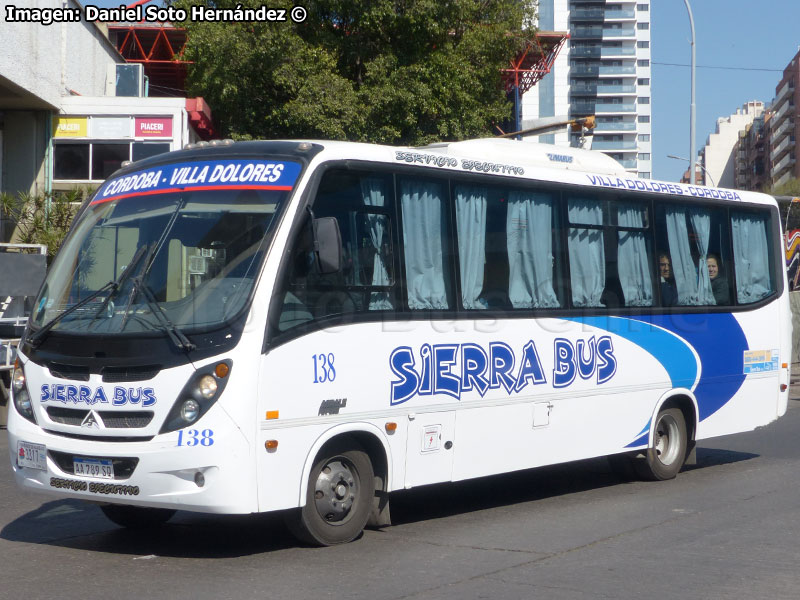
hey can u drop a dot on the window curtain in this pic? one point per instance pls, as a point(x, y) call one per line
point(692, 281)
point(471, 201)
point(422, 229)
point(683, 269)
point(701, 223)
point(373, 194)
point(529, 241)
point(633, 264)
point(586, 253)
point(750, 257)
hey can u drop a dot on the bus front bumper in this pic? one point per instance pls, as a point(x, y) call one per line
point(207, 469)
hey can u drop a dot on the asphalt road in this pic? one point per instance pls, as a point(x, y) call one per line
point(726, 528)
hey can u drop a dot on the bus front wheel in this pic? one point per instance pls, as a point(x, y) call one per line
point(664, 459)
point(338, 497)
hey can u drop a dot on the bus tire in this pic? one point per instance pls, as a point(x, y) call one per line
point(665, 458)
point(338, 497)
point(136, 517)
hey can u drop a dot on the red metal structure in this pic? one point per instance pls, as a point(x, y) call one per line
point(535, 61)
point(159, 47)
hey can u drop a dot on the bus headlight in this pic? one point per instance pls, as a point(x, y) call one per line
point(198, 395)
point(190, 410)
point(207, 387)
point(22, 400)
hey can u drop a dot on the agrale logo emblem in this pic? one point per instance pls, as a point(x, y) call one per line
point(91, 420)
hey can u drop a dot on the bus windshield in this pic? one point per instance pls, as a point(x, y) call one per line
point(191, 256)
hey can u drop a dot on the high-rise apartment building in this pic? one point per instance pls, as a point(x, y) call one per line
point(784, 125)
point(752, 152)
point(604, 71)
point(719, 154)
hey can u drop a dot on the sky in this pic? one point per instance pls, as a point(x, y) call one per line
point(753, 40)
point(742, 47)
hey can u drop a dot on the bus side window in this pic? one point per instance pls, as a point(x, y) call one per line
point(586, 243)
point(693, 241)
point(751, 233)
point(530, 229)
point(634, 253)
point(361, 204)
point(425, 244)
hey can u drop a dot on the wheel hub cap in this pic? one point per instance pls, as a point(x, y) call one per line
point(335, 491)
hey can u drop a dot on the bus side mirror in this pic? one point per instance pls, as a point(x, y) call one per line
point(327, 244)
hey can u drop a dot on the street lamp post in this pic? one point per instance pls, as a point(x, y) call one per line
point(692, 169)
point(692, 153)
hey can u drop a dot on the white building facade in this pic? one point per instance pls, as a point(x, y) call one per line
point(39, 66)
point(719, 157)
point(604, 70)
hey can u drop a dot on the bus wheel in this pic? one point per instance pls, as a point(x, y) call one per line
point(136, 517)
point(668, 453)
point(338, 499)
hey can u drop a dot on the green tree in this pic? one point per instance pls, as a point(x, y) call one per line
point(790, 188)
point(42, 219)
point(387, 71)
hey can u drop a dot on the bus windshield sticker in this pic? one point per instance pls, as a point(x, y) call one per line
point(760, 361)
point(202, 176)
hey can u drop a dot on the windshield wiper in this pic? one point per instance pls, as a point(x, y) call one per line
point(37, 337)
point(123, 277)
point(175, 334)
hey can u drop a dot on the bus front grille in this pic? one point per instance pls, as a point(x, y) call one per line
point(112, 419)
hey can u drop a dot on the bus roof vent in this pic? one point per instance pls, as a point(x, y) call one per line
point(523, 153)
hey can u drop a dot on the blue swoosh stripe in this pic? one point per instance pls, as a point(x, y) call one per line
point(717, 338)
point(667, 348)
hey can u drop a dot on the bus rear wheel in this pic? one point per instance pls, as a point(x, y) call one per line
point(136, 517)
point(338, 497)
point(665, 458)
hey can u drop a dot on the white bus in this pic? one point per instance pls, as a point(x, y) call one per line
point(310, 326)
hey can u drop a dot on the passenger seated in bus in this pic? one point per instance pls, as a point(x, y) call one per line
point(719, 283)
point(669, 293)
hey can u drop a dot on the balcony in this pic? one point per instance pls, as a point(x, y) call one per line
point(613, 145)
point(618, 51)
point(778, 151)
point(586, 31)
point(616, 89)
point(627, 163)
point(613, 107)
point(618, 32)
point(787, 89)
point(615, 126)
point(784, 129)
point(617, 70)
point(587, 14)
point(785, 163)
point(783, 178)
point(784, 111)
point(620, 13)
point(581, 108)
point(584, 71)
point(586, 51)
point(583, 88)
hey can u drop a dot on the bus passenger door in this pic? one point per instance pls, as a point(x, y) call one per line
point(429, 449)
